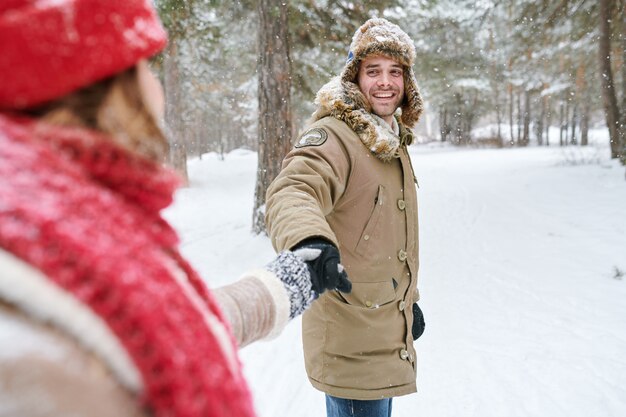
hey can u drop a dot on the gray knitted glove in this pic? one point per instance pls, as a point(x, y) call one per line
point(294, 274)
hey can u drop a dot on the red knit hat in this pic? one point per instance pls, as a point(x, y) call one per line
point(53, 47)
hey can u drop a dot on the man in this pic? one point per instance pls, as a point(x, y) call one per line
point(348, 188)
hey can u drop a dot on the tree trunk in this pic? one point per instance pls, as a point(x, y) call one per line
point(519, 118)
point(622, 22)
point(498, 115)
point(174, 128)
point(511, 114)
point(274, 85)
point(496, 93)
point(540, 121)
point(621, 12)
point(548, 120)
point(458, 119)
point(443, 123)
point(562, 117)
point(611, 110)
point(584, 124)
point(582, 104)
point(565, 126)
point(526, 134)
point(574, 122)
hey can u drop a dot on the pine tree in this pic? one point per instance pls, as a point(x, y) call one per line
point(274, 101)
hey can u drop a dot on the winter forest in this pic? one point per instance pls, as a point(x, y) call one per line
point(520, 158)
point(493, 73)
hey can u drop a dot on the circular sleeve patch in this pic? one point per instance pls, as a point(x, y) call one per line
point(313, 137)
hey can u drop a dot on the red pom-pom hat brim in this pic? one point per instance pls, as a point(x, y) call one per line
point(53, 47)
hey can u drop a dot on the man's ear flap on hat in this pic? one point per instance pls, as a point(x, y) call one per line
point(412, 105)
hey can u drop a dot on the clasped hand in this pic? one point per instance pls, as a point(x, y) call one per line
point(323, 262)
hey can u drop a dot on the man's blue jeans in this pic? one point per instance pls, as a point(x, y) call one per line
point(341, 407)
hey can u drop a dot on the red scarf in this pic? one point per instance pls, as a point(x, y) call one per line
point(85, 212)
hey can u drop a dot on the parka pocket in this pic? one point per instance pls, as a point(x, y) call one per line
point(370, 294)
point(369, 232)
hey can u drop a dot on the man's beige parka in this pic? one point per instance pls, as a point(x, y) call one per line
point(332, 185)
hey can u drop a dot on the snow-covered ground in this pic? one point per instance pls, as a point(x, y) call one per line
point(521, 252)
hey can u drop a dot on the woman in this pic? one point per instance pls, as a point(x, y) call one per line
point(99, 313)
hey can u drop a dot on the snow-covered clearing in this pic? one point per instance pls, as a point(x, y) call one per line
point(521, 252)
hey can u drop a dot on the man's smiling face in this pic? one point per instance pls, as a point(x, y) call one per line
point(381, 80)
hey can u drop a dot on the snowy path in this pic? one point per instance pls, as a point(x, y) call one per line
point(524, 315)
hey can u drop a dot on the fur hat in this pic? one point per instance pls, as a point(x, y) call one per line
point(51, 48)
point(378, 36)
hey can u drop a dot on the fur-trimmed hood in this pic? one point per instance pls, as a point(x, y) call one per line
point(345, 101)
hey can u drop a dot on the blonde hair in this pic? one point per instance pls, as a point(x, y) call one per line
point(113, 106)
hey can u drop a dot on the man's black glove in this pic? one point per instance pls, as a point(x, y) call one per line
point(327, 273)
point(418, 322)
